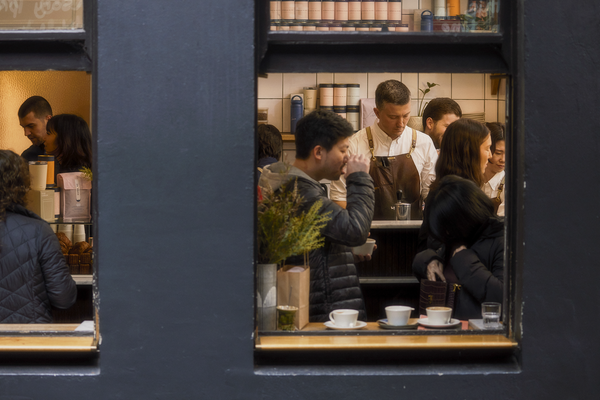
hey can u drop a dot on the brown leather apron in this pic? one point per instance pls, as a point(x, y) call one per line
point(391, 174)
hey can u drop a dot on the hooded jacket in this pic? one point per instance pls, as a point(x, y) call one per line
point(479, 269)
point(33, 271)
point(334, 279)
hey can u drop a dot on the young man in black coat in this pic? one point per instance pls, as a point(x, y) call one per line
point(321, 153)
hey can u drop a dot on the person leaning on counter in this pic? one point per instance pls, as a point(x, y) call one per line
point(383, 143)
point(322, 153)
point(34, 114)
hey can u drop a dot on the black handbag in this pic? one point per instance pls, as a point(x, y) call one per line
point(437, 294)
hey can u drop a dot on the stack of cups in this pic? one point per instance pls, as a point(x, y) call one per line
point(67, 230)
point(78, 233)
point(353, 105)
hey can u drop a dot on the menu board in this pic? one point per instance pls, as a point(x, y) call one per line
point(41, 14)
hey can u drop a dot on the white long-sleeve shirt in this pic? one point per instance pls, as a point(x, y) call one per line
point(424, 156)
point(491, 189)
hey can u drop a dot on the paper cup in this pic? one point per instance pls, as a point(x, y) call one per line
point(365, 249)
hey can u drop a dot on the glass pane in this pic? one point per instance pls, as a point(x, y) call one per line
point(444, 16)
point(388, 278)
point(41, 14)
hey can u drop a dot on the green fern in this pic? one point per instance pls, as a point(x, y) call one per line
point(284, 231)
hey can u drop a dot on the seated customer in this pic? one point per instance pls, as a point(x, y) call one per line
point(33, 273)
point(494, 172)
point(321, 153)
point(461, 217)
point(270, 146)
point(70, 141)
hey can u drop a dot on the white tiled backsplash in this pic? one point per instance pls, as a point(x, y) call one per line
point(471, 91)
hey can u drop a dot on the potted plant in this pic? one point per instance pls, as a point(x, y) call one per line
point(417, 122)
point(283, 231)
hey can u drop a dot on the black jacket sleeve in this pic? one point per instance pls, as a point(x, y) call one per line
point(351, 226)
point(60, 286)
point(484, 284)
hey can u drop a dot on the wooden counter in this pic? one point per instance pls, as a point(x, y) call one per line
point(354, 340)
point(46, 338)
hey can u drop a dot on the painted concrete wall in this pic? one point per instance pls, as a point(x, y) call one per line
point(175, 101)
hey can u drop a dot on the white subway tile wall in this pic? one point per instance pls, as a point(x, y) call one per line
point(472, 91)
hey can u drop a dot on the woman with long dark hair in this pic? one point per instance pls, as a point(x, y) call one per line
point(70, 141)
point(464, 152)
point(33, 273)
point(461, 217)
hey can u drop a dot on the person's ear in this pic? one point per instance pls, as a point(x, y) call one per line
point(318, 152)
point(48, 118)
point(429, 123)
point(376, 111)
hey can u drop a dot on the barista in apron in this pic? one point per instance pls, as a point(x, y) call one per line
point(391, 174)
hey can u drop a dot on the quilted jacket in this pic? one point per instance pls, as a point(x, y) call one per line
point(334, 279)
point(479, 269)
point(33, 271)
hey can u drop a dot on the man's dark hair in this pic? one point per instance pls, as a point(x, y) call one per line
point(497, 132)
point(437, 108)
point(320, 128)
point(393, 92)
point(38, 105)
point(270, 142)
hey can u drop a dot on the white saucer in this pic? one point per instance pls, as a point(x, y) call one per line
point(425, 323)
point(359, 325)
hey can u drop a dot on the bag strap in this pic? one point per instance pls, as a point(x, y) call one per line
point(414, 142)
point(371, 144)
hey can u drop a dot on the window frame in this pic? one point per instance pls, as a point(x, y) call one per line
point(285, 52)
point(59, 50)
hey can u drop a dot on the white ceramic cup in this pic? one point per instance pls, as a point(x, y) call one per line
point(344, 318)
point(365, 249)
point(398, 315)
point(439, 315)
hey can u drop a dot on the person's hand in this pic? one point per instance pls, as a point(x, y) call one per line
point(435, 267)
point(359, 258)
point(458, 249)
point(357, 163)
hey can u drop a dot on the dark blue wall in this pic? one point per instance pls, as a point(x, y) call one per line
point(175, 113)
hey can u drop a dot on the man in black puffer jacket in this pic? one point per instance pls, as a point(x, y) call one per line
point(33, 271)
point(321, 153)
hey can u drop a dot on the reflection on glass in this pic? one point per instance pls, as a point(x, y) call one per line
point(443, 16)
point(41, 14)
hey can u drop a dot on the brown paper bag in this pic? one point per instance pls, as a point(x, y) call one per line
point(299, 285)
